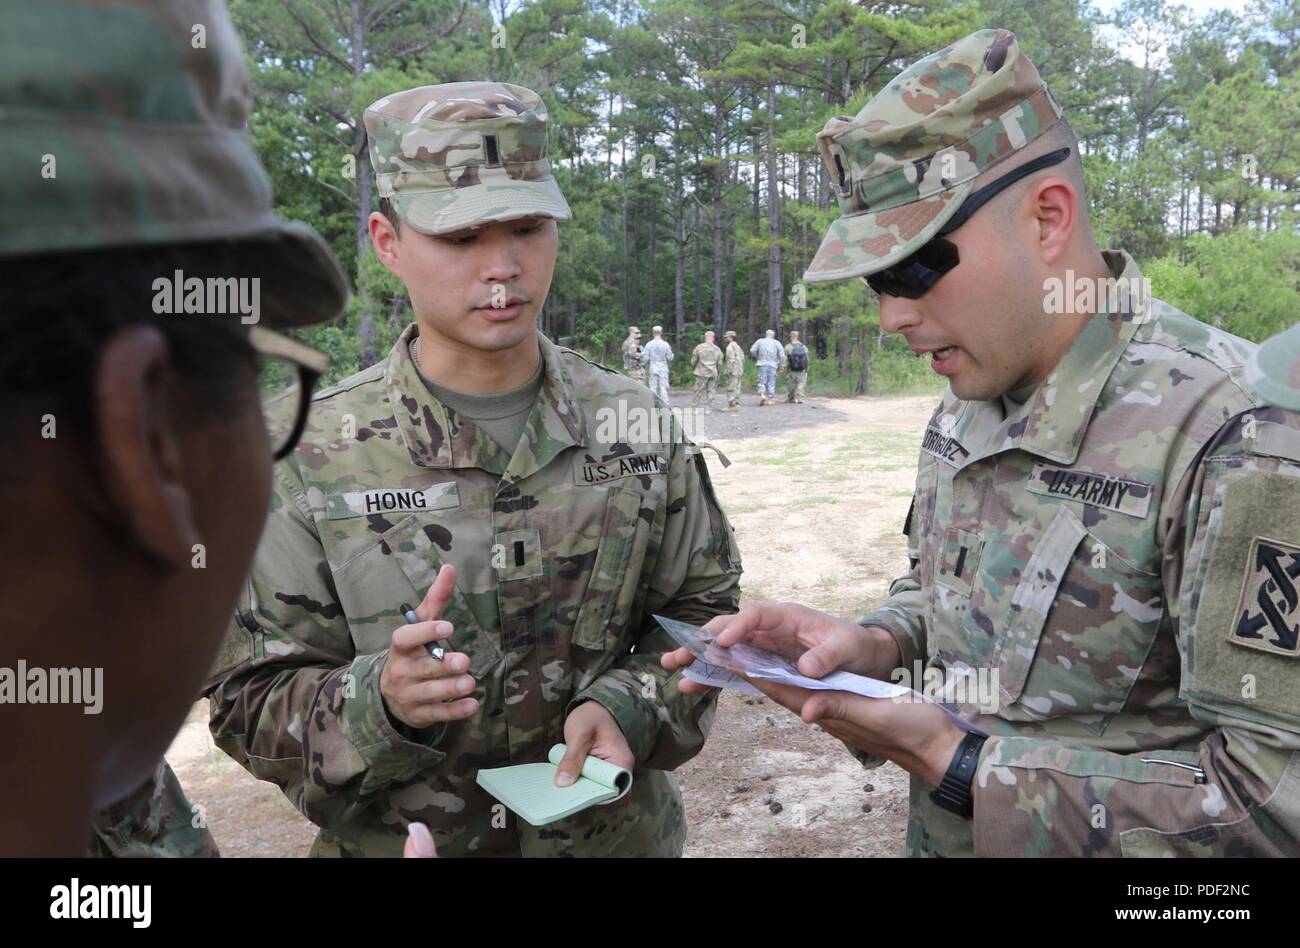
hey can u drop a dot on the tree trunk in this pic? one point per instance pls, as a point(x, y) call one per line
point(774, 286)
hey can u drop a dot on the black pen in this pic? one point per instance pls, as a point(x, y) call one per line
point(435, 650)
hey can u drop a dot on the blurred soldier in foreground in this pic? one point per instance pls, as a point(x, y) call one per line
point(1106, 525)
point(770, 357)
point(140, 269)
point(657, 355)
point(733, 368)
point(796, 356)
point(477, 462)
point(705, 361)
point(633, 357)
point(1274, 369)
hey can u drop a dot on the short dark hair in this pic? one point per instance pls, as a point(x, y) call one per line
point(386, 208)
point(57, 312)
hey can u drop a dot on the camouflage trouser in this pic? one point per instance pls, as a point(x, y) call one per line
point(798, 385)
point(733, 391)
point(705, 386)
point(659, 384)
point(767, 380)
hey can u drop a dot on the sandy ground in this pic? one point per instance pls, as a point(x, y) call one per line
point(817, 494)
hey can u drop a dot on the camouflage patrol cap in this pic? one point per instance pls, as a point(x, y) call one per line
point(123, 123)
point(729, 332)
point(1274, 369)
point(902, 166)
point(459, 154)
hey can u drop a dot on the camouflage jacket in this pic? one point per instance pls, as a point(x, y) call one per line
point(563, 552)
point(734, 360)
point(155, 820)
point(633, 358)
point(705, 359)
point(1123, 551)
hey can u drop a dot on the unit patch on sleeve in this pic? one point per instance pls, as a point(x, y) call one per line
point(1268, 612)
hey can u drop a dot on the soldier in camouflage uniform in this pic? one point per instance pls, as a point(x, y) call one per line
point(633, 358)
point(705, 360)
point(658, 354)
point(797, 379)
point(733, 368)
point(553, 540)
point(128, 158)
point(156, 820)
point(1274, 370)
point(1106, 523)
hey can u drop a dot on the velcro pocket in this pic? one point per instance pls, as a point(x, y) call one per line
point(1241, 604)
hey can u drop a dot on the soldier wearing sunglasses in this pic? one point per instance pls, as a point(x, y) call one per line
point(1106, 521)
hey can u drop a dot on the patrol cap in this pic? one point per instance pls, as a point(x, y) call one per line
point(729, 332)
point(459, 154)
point(118, 129)
point(902, 166)
point(633, 330)
point(1273, 371)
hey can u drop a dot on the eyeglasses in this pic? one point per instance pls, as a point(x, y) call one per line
point(913, 276)
point(287, 372)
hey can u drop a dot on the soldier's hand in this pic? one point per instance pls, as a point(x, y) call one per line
point(818, 643)
point(418, 690)
point(590, 730)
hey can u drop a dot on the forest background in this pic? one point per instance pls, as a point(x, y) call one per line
point(683, 135)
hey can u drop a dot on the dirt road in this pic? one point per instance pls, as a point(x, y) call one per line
point(817, 494)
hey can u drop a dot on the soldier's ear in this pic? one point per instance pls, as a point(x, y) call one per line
point(138, 452)
point(384, 238)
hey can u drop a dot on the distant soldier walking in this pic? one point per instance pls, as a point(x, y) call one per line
point(770, 356)
point(634, 355)
point(733, 367)
point(657, 354)
point(705, 362)
point(796, 356)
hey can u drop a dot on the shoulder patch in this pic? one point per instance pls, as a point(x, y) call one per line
point(1099, 490)
point(1268, 609)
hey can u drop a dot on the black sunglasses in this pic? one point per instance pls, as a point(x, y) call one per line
point(913, 276)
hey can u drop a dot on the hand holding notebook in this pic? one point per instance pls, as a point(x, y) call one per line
point(529, 790)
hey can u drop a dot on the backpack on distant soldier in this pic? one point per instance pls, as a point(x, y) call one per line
point(798, 357)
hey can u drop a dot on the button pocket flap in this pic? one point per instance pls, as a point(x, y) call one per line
point(609, 569)
point(1033, 597)
point(414, 547)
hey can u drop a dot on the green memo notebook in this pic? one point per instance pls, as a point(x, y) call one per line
point(529, 790)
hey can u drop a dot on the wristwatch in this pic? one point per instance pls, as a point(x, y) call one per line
point(953, 793)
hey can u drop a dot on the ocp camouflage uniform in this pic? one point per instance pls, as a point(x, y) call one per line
point(797, 383)
point(1121, 549)
point(563, 552)
point(734, 366)
point(155, 820)
point(1124, 551)
point(633, 360)
point(705, 360)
